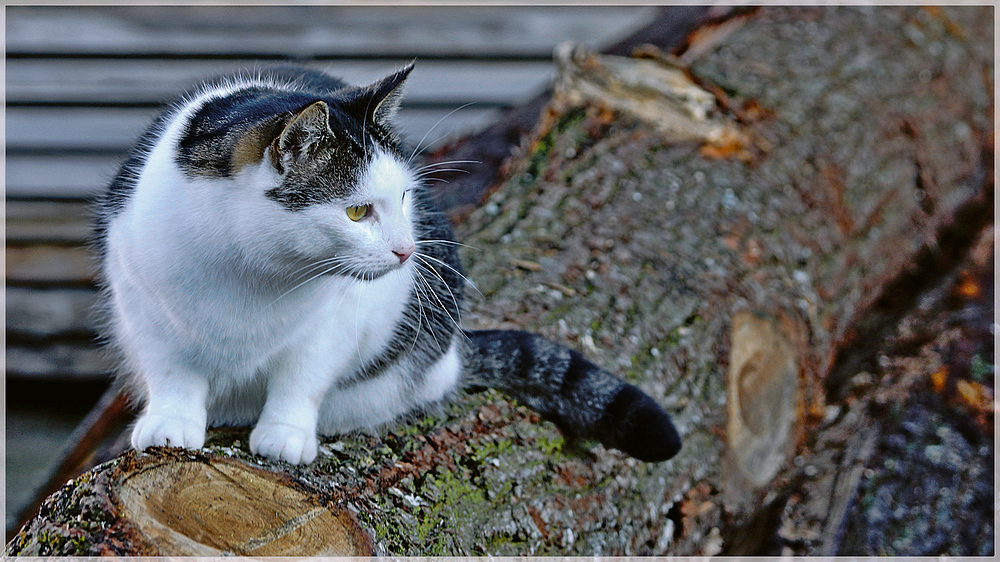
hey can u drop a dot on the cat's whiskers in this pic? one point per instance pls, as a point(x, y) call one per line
point(430, 290)
point(420, 317)
point(425, 292)
point(429, 131)
point(323, 267)
point(453, 269)
point(357, 338)
point(427, 174)
point(435, 167)
point(427, 266)
point(427, 171)
point(444, 308)
point(446, 242)
point(446, 163)
point(308, 269)
point(420, 297)
point(343, 296)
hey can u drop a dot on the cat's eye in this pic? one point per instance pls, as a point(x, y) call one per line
point(358, 212)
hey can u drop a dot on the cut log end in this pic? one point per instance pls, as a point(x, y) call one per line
point(173, 502)
point(218, 506)
point(763, 398)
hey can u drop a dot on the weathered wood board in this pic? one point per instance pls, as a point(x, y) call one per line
point(312, 31)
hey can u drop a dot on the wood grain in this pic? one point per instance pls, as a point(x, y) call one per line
point(762, 398)
point(312, 31)
point(214, 506)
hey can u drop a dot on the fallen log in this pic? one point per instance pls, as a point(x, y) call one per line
point(723, 275)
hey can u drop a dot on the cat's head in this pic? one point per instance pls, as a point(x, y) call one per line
point(333, 193)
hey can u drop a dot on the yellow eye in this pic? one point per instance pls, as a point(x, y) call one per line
point(358, 212)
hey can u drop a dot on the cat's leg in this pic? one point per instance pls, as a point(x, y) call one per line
point(286, 429)
point(175, 414)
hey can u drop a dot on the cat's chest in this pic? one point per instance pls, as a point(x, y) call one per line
point(333, 319)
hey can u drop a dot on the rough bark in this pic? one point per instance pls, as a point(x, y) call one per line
point(718, 276)
point(905, 464)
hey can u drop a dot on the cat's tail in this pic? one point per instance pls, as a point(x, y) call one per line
point(578, 396)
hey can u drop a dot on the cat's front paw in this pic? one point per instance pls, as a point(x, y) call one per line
point(284, 442)
point(169, 431)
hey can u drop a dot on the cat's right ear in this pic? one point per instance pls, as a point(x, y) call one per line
point(303, 135)
point(379, 102)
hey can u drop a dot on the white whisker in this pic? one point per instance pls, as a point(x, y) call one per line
point(430, 290)
point(320, 266)
point(426, 173)
point(420, 317)
point(446, 163)
point(449, 266)
point(447, 115)
point(458, 323)
point(444, 241)
point(357, 336)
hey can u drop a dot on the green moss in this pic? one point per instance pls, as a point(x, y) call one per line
point(54, 544)
point(451, 494)
point(80, 545)
point(551, 446)
point(490, 448)
point(383, 520)
point(543, 146)
point(459, 502)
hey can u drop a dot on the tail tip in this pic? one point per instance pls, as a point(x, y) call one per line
point(642, 428)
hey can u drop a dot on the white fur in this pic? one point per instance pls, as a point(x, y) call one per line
point(223, 317)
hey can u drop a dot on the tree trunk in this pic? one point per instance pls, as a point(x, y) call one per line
point(722, 264)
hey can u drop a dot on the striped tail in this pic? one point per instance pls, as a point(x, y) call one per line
point(578, 396)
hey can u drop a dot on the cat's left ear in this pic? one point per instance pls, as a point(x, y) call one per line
point(379, 102)
point(302, 136)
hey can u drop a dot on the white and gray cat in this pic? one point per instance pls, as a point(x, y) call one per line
point(269, 256)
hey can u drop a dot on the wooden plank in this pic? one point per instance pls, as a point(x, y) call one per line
point(47, 221)
point(313, 31)
point(97, 131)
point(82, 361)
point(49, 264)
point(42, 314)
point(59, 175)
point(75, 129)
point(116, 81)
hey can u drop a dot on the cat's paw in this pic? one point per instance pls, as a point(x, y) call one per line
point(284, 442)
point(169, 431)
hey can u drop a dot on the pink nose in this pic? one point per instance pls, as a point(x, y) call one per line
point(403, 253)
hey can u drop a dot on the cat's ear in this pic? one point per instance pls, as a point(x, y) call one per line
point(302, 135)
point(379, 102)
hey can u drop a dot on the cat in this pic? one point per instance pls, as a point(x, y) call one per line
point(270, 257)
